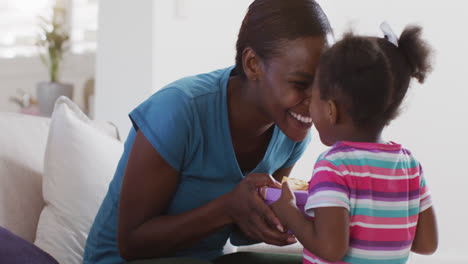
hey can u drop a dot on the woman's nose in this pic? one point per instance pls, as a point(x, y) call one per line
point(308, 95)
point(308, 91)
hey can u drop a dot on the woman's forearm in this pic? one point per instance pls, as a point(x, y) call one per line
point(166, 234)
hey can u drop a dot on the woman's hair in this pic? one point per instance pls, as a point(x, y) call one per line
point(268, 22)
point(370, 76)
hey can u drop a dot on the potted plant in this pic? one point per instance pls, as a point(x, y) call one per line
point(52, 43)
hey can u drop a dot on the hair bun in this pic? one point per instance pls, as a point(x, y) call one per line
point(416, 51)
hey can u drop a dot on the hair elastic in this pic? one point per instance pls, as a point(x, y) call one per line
point(330, 38)
point(388, 33)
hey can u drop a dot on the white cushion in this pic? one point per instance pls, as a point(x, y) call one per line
point(79, 163)
point(22, 145)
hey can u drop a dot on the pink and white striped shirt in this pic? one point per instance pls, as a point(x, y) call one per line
point(383, 187)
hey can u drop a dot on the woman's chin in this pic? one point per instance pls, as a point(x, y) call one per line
point(296, 135)
point(295, 130)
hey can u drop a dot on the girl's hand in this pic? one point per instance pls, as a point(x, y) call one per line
point(287, 202)
point(254, 218)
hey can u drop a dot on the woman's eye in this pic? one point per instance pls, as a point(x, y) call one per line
point(301, 85)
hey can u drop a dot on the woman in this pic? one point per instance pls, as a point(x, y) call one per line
point(200, 147)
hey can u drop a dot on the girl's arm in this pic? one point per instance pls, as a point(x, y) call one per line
point(327, 236)
point(148, 186)
point(426, 238)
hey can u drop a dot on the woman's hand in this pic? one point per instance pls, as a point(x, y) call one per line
point(249, 212)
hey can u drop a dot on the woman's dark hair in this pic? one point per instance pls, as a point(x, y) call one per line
point(370, 76)
point(268, 22)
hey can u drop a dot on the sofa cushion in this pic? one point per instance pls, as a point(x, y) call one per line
point(22, 146)
point(79, 163)
point(15, 250)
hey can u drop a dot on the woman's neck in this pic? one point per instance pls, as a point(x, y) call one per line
point(245, 119)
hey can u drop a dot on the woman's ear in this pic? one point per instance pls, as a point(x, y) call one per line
point(251, 64)
point(332, 112)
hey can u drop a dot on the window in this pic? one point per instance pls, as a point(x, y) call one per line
point(19, 25)
point(84, 25)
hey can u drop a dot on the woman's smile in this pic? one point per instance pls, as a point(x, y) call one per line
point(306, 119)
point(302, 121)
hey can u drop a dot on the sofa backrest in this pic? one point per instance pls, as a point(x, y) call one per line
point(23, 140)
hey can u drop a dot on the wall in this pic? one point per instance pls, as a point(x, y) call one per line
point(124, 61)
point(191, 40)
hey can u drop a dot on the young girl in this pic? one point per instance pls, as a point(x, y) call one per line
point(368, 201)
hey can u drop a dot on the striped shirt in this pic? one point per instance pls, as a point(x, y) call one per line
point(383, 187)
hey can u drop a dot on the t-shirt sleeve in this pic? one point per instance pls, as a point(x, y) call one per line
point(166, 120)
point(425, 198)
point(327, 188)
point(297, 152)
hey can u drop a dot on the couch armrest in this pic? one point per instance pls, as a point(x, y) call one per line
point(265, 248)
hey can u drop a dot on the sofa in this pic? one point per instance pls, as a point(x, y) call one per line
point(54, 173)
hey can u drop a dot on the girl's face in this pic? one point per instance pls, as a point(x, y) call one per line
point(286, 83)
point(320, 113)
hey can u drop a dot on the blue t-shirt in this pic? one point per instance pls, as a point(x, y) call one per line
point(187, 123)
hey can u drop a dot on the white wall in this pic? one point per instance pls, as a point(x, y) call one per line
point(182, 37)
point(194, 36)
point(124, 60)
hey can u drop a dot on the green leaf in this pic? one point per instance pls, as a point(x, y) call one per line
point(52, 41)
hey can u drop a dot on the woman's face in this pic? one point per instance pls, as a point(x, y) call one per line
point(286, 83)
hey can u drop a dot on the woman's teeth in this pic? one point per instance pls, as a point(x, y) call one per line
point(303, 119)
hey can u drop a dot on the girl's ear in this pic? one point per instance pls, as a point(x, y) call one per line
point(251, 64)
point(332, 112)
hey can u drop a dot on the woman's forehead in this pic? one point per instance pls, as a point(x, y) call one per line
point(299, 55)
point(313, 42)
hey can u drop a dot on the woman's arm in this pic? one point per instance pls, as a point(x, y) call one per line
point(279, 174)
point(327, 236)
point(148, 185)
point(238, 238)
point(426, 238)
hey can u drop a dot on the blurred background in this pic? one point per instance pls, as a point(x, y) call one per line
point(118, 52)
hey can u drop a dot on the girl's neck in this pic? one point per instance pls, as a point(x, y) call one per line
point(356, 134)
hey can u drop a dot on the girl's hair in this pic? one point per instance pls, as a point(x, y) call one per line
point(268, 22)
point(370, 76)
